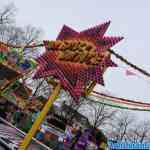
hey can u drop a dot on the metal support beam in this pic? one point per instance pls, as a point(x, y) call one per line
point(40, 119)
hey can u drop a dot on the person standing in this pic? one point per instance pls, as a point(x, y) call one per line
point(76, 137)
point(83, 140)
point(69, 134)
point(60, 143)
point(41, 133)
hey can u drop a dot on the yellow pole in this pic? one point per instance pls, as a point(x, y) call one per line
point(90, 89)
point(40, 119)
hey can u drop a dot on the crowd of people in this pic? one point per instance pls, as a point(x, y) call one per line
point(77, 138)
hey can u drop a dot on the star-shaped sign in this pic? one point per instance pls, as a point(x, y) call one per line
point(77, 57)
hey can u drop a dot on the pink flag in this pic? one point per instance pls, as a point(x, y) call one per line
point(130, 73)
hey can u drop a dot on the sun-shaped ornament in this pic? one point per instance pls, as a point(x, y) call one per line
point(76, 58)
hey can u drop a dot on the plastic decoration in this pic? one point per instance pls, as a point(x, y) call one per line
point(3, 47)
point(12, 87)
point(3, 51)
point(2, 57)
point(13, 57)
point(77, 57)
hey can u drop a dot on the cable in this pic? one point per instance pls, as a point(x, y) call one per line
point(129, 63)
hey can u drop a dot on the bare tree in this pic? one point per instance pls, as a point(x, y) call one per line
point(72, 107)
point(13, 34)
point(24, 36)
point(7, 14)
point(7, 17)
point(121, 126)
point(40, 87)
point(31, 34)
point(140, 132)
point(98, 114)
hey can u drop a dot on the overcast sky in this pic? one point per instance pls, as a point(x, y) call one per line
point(129, 18)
